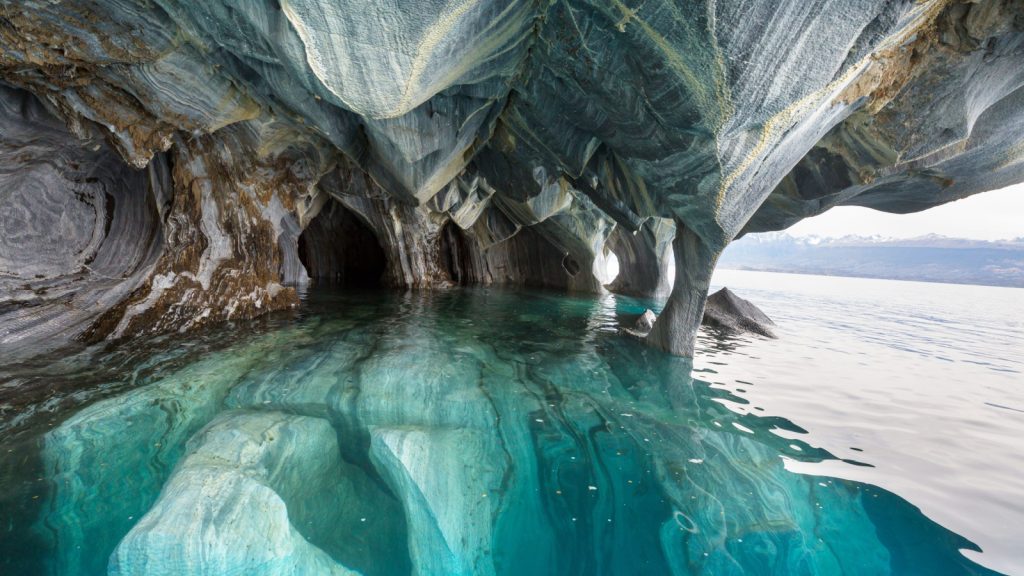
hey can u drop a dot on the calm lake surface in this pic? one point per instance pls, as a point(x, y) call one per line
point(486, 431)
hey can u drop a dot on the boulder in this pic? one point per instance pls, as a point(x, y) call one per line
point(728, 312)
point(645, 322)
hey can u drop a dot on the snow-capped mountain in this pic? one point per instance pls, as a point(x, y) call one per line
point(929, 258)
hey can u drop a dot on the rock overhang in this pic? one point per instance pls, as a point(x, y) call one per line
point(589, 124)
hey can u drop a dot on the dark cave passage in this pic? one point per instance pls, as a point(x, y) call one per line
point(455, 257)
point(337, 248)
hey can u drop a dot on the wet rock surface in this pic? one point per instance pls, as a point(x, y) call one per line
point(724, 311)
point(185, 146)
point(645, 322)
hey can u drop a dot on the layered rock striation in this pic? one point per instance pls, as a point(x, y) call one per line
point(160, 161)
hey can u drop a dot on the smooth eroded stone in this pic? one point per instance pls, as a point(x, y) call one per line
point(449, 492)
point(107, 463)
point(476, 438)
point(256, 494)
point(302, 386)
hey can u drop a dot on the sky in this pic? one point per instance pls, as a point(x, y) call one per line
point(995, 215)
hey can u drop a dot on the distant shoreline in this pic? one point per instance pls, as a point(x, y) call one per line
point(932, 259)
point(833, 275)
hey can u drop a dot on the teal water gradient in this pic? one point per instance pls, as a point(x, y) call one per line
point(462, 432)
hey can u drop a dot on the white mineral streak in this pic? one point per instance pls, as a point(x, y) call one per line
point(218, 244)
point(157, 286)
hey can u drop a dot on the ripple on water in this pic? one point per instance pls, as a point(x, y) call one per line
point(397, 433)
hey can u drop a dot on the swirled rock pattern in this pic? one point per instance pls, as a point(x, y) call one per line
point(80, 230)
point(547, 134)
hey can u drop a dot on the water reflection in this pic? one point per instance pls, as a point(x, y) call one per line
point(464, 432)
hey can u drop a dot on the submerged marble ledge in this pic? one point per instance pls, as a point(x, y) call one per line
point(405, 435)
point(173, 164)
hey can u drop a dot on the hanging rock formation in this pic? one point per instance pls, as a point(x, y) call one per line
point(160, 160)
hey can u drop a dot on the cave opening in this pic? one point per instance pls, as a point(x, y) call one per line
point(339, 249)
point(570, 265)
point(606, 267)
point(455, 257)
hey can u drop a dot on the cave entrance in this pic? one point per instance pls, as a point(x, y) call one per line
point(455, 258)
point(606, 267)
point(339, 249)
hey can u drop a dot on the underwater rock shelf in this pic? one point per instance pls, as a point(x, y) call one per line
point(166, 165)
point(400, 435)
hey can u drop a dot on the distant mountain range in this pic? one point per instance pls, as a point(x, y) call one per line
point(931, 258)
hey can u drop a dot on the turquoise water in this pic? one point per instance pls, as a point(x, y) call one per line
point(472, 431)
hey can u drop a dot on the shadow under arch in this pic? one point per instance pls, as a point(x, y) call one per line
point(456, 259)
point(338, 248)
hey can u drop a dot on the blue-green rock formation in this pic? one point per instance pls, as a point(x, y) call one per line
point(183, 147)
point(433, 444)
point(261, 493)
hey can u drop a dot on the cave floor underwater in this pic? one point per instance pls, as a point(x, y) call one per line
point(461, 431)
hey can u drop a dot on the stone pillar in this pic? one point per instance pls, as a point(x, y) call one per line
point(676, 328)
